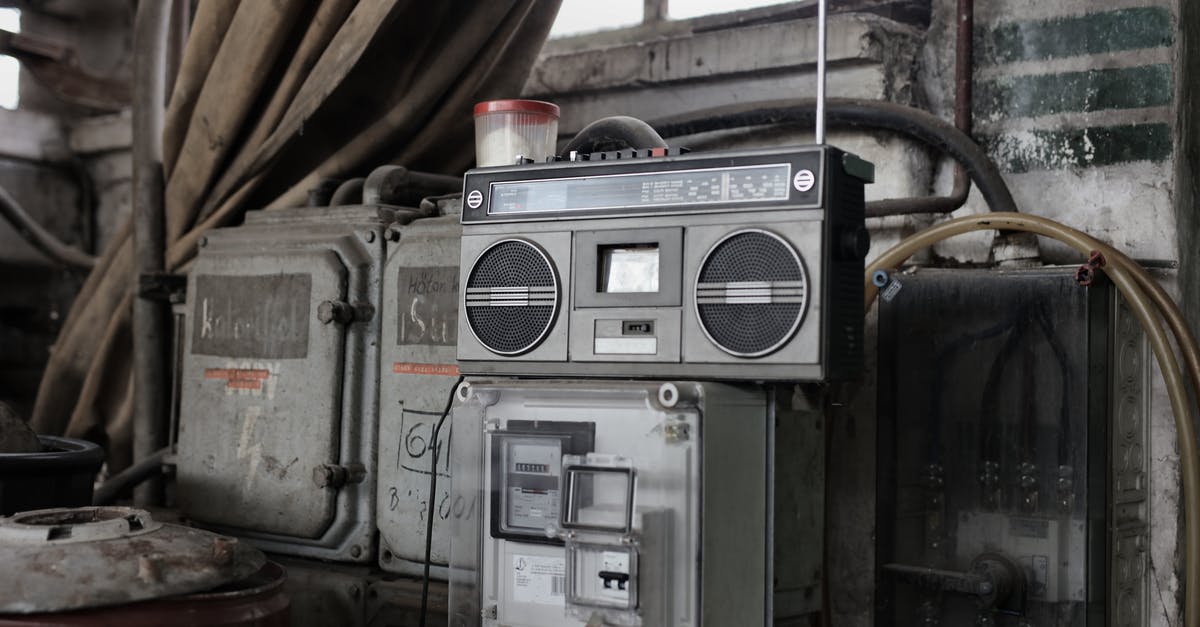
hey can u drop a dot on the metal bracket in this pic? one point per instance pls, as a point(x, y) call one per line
point(1086, 273)
point(163, 286)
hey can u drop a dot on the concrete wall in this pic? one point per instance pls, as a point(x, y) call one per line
point(69, 166)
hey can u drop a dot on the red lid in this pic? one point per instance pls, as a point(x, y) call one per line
point(523, 106)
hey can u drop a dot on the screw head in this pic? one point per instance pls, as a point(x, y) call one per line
point(369, 236)
point(335, 311)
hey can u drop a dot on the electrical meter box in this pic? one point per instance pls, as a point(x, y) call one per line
point(1012, 478)
point(614, 503)
point(279, 390)
point(417, 374)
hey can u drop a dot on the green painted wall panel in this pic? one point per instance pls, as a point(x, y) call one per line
point(1023, 151)
point(1092, 90)
point(1110, 31)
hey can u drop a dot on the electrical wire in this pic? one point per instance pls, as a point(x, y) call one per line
point(1131, 279)
point(433, 472)
point(862, 114)
point(133, 476)
point(39, 237)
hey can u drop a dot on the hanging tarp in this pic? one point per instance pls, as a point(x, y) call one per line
point(271, 98)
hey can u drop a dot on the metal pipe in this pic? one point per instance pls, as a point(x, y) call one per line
point(150, 317)
point(136, 474)
point(821, 19)
point(348, 193)
point(39, 237)
point(964, 76)
point(964, 65)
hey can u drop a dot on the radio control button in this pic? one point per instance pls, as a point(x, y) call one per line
point(854, 243)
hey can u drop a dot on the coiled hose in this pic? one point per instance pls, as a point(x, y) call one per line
point(1144, 297)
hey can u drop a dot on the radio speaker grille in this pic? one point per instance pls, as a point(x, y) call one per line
point(751, 293)
point(511, 297)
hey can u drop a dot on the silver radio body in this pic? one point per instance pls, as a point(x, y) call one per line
point(675, 265)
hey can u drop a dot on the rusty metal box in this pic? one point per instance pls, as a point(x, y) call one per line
point(417, 373)
point(279, 390)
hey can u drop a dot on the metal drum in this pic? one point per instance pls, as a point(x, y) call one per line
point(61, 475)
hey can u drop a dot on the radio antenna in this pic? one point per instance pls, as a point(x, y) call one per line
point(821, 71)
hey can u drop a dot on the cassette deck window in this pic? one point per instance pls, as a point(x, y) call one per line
point(628, 268)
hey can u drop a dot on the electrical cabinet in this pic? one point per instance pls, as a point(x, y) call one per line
point(417, 374)
point(1012, 476)
point(618, 503)
point(279, 387)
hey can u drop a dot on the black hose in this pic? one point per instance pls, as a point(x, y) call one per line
point(617, 132)
point(859, 114)
point(348, 193)
point(433, 445)
point(148, 467)
point(40, 238)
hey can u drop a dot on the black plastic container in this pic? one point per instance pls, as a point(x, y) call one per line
point(60, 476)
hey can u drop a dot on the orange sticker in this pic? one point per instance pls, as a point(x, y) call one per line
point(239, 378)
point(449, 370)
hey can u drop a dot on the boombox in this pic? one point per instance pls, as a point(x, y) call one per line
point(651, 263)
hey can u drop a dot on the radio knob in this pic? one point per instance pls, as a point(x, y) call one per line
point(854, 243)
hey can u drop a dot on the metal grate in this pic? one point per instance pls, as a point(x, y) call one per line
point(511, 297)
point(751, 293)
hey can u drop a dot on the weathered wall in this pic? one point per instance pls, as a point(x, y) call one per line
point(70, 170)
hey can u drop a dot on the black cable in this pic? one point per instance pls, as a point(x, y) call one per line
point(861, 114)
point(131, 477)
point(433, 444)
point(39, 237)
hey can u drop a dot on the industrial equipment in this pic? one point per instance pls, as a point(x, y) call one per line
point(621, 503)
point(116, 555)
point(653, 263)
point(279, 399)
point(1013, 479)
point(417, 371)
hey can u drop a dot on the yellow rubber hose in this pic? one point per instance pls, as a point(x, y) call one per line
point(1130, 279)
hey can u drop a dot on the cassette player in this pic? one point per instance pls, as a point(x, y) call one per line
point(733, 265)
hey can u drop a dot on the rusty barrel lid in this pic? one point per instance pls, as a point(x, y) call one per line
point(75, 558)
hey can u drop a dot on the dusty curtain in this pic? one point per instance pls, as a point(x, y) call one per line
point(272, 97)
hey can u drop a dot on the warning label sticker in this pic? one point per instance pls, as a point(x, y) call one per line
point(239, 378)
point(539, 579)
point(449, 370)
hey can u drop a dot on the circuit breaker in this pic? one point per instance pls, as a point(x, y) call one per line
point(1009, 404)
point(612, 503)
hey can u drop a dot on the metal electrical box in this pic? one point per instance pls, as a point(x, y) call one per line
point(1012, 478)
point(279, 392)
point(614, 503)
point(417, 373)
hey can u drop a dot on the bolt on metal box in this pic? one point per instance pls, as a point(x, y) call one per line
point(279, 388)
